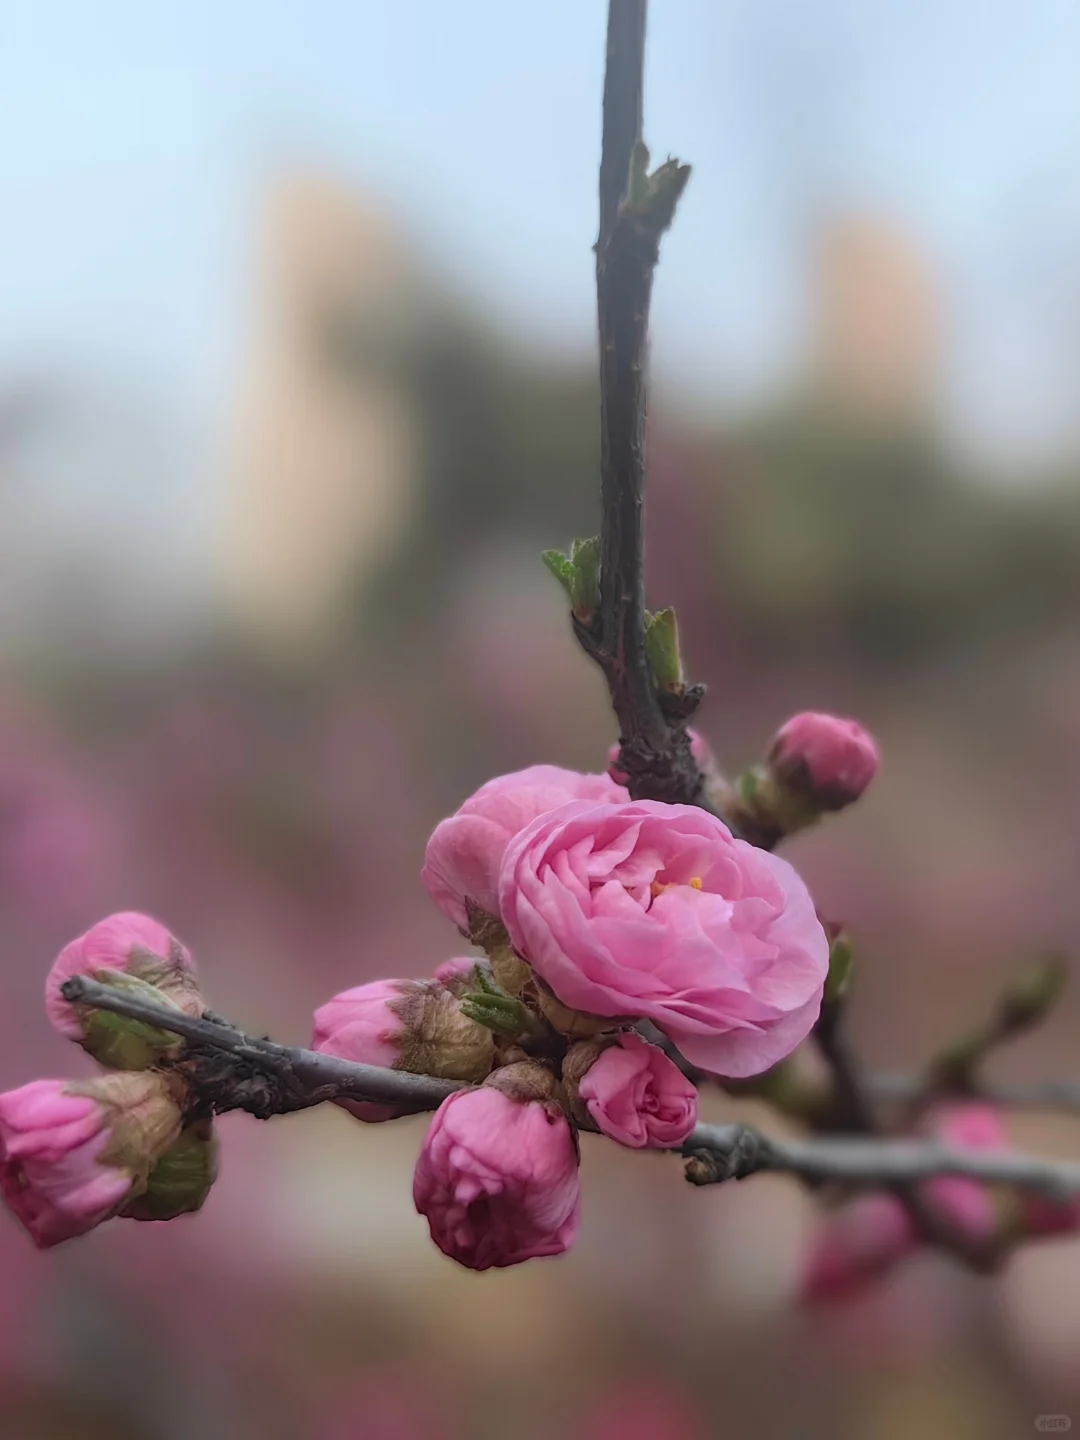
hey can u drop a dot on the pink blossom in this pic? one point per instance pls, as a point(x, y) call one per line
point(856, 1244)
point(638, 1096)
point(71, 1154)
point(129, 943)
point(466, 850)
point(699, 748)
point(657, 911)
point(833, 757)
point(497, 1179)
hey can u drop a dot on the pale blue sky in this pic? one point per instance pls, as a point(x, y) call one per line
point(133, 135)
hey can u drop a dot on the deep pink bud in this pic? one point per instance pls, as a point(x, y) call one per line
point(637, 1096)
point(73, 1153)
point(699, 748)
point(465, 851)
point(656, 911)
point(855, 1245)
point(126, 948)
point(413, 1025)
point(831, 759)
point(497, 1179)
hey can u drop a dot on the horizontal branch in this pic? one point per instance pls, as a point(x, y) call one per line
point(309, 1076)
point(725, 1152)
point(1060, 1095)
point(715, 1152)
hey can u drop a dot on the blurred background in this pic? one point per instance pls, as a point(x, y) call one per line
point(296, 380)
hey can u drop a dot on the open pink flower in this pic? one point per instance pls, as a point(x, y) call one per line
point(71, 1154)
point(465, 851)
point(637, 1096)
point(834, 758)
point(128, 943)
point(497, 1179)
point(657, 911)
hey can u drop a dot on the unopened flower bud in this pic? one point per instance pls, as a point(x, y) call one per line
point(636, 1095)
point(497, 1176)
point(413, 1025)
point(526, 1080)
point(136, 954)
point(457, 974)
point(827, 760)
point(578, 1060)
point(72, 1154)
point(182, 1179)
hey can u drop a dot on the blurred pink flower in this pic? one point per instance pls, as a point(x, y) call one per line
point(639, 1097)
point(640, 1410)
point(465, 851)
point(497, 1179)
point(657, 911)
point(71, 1154)
point(834, 758)
point(855, 1245)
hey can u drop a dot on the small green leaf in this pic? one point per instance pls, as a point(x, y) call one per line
point(560, 566)
point(662, 649)
point(841, 967)
point(637, 189)
point(746, 787)
point(1030, 999)
point(501, 1013)
point(585, 577)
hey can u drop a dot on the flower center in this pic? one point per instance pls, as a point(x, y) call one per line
point(658, 887)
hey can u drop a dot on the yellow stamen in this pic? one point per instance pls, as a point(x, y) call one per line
point(657, 887)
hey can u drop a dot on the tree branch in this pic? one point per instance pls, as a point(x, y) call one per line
point(635, 209)
point(715, 1152)
point(723, 1152)
point(1060, 1095)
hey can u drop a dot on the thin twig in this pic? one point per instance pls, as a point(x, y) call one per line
point(655, 746)
point(1059, 1095)
point(858, 1160)
point(716, 1152)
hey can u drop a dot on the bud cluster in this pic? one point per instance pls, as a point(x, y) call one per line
point(74, 1153)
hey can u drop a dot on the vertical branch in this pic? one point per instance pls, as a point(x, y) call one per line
point(636, 207)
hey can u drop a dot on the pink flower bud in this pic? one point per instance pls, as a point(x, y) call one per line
point(497, 1179)
point(129, 948)
point(972, 1207)
point(856, 1245)
point(830, 759)
point(466, 850)
point(965, 1203)
point(456, 974)
point(655, 911)
point(638, 1096)
point(413, 1025)
point(72, 1154)
point(699, 748)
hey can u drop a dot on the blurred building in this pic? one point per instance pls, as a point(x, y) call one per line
point(876, 329)
point(324, 467)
